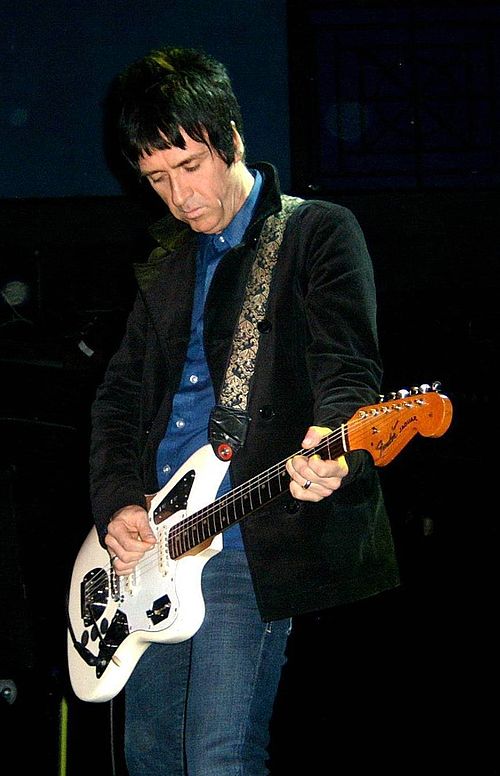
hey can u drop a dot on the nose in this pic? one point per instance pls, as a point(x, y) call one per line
point(181, 192)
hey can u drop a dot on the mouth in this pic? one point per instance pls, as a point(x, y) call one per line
point(191, 215)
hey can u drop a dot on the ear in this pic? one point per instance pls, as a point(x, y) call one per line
point(239, 148)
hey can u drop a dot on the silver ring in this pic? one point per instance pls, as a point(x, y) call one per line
point(113, 559)
point(307, 484)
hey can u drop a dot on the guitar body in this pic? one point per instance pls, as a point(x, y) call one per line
point(112, 620)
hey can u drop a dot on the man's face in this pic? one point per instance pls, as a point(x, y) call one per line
point(196, 184)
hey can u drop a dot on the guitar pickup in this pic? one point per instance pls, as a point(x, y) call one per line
point(160, 610)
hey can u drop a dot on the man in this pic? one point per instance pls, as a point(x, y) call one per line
point(203, 706)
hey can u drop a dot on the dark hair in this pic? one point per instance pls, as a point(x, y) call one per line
point(171, 88)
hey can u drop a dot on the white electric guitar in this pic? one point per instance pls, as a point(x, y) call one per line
point(112, 620)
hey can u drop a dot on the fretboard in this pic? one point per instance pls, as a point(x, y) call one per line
point(240, 502)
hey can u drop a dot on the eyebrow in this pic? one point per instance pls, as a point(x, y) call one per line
point(182, 163)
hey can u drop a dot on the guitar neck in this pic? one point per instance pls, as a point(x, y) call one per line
point(382, 429)
point(240, 502)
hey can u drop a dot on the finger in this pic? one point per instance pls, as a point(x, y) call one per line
point(312, 493)
point(314, 435)
point(296, 467)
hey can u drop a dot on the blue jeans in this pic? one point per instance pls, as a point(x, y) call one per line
point(203, 707)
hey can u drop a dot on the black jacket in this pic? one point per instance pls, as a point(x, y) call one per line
point(318, 362)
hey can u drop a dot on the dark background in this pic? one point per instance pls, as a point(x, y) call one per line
point(390, 110)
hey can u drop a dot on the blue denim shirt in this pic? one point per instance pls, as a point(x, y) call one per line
point(187, 429)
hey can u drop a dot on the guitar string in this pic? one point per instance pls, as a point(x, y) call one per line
point(146, 563)
point(380, 412)
point(265, 477)
point(233, 495)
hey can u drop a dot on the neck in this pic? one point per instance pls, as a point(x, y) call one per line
point(246, 182)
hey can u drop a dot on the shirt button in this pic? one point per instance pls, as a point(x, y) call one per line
point(221, 239)
point(193, 379)
point(166, 469)
point(180, 423)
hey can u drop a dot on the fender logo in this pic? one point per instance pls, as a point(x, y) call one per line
point(407, 423)
point(384, 444)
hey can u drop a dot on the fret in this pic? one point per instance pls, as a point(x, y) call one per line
point(212, 527)
point(246, 501)
point(177, 545)
point(237, 508)
point(264, 492)
point(280, 482)
point(193, 536)
point(216, 521)
point(205, 527)
point(224, 520)
point(334, 445)
point(184, 543)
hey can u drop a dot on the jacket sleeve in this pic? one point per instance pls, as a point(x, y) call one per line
point(343, 356)
point(115, 466)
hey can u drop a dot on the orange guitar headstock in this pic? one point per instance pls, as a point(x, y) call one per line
point(383, 429)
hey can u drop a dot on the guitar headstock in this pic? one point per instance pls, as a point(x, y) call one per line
point(383, 429)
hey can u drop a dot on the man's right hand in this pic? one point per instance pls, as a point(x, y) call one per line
point(129, 537)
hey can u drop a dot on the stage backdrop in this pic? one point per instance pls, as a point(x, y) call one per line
point(58, 58)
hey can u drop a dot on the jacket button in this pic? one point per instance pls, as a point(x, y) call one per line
point(264, 325)
point(292, 506)
point(266, 412)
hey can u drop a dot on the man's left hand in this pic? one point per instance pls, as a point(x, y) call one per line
point(312, 479)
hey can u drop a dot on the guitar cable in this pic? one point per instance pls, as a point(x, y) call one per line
point(112, 753)
point(92, 660)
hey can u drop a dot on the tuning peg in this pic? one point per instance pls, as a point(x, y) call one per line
point(436, 386)
point(390, 396)
point(402, 393)
point(425, 388)
point(414, 390)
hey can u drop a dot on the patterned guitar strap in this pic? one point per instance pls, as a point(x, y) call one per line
point(229, 420)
